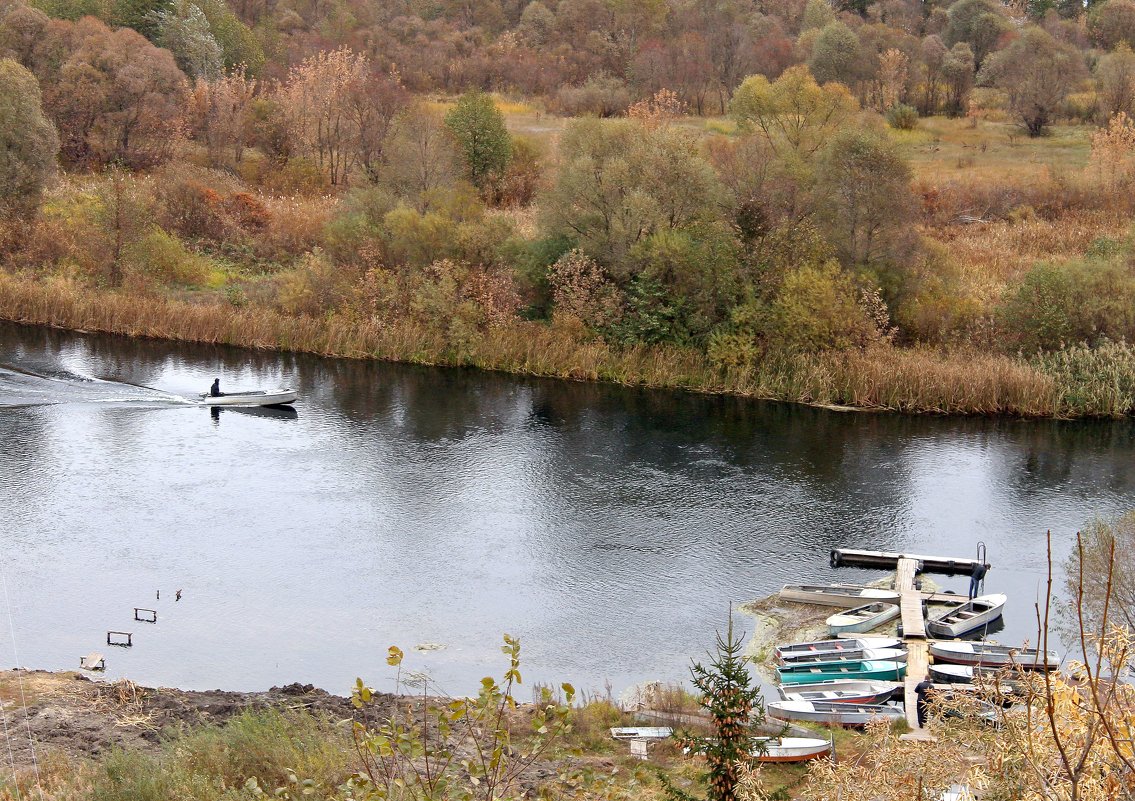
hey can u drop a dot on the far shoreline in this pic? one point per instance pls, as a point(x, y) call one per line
point(894, 379)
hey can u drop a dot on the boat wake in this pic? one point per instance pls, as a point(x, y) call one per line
point(36, 385)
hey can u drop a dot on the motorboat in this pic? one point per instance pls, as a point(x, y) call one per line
point(828, 712)
point(854, 692)
point(894, 654)
point(862, 618)
point(845, 595)
point(967, 617)
point(850, 644)
point(251, 397)
point(789, 749)
point(986, 654)
point(856, 669)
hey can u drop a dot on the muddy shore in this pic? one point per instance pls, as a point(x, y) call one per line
point(70, 713)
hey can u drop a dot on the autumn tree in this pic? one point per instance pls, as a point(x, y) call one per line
point(958, 76)
point(374, 99)
point(117, 98)
point(1115, 76)
point(28, 141)
point(618, 183)
point(317, 101)
point(220, 114)
point(1037, 73)
point(836, 54)
point(978, 23)
point(1113, 23)
point(794, 113)
point(423, 156)
point(184, 30)
point(866, 203)
point(1100, 570)
point(478, 126)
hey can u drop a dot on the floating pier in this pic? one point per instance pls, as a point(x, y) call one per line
point(950, 565)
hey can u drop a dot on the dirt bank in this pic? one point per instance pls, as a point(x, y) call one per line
point(69, 712)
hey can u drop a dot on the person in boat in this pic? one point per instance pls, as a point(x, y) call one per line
point(215, 390)
point(976, 577)
point(922, 702)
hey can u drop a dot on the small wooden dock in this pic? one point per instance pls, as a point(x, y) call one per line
point(851, 557)
point(914, 634)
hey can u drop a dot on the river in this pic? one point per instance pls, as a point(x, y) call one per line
point(607, 527)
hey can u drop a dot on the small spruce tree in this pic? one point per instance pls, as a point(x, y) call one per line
point(736, 709)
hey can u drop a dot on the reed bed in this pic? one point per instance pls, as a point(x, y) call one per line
point(1073, 383)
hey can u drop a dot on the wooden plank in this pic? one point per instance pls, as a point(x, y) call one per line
point(910, 601)
point(917, 668)
point(93, 661)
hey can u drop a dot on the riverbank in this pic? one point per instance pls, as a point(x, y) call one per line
point(1071, 383)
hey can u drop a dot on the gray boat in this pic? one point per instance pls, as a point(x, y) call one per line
point(831, 712)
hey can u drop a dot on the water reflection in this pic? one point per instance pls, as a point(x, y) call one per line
point(608, 527)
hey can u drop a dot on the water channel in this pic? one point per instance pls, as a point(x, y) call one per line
point(608, 527)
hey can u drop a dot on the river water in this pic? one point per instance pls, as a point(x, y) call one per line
point(609, 528)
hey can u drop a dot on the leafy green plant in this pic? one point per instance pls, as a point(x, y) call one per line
point(440, 748)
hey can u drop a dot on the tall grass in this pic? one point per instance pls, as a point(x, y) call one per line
point(1070, 385)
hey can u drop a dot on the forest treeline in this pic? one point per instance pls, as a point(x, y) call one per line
point(535, 187)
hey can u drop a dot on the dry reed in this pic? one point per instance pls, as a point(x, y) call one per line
point(880, 378)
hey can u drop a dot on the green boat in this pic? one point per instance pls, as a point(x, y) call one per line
point(848, 669)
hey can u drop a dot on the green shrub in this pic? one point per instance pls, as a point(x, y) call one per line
point(162, 257)
point(902, 117)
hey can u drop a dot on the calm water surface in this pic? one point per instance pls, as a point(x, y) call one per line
point(609, 528)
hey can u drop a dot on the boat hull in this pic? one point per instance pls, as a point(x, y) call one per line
point(835, 595)
point(276, 397)
point(862, 618)
point(996, 656)
point(967, 617)
point(825, 646)
point(809, 674)
point(860, 655)
point(791, 749)
point(847, 686)
point(842, 714)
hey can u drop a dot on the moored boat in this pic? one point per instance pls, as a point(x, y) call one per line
point(850, 644)
point(989, 655)
point(827, 712)
point(856, 669)
point(967, 617)
point(845, 595)
point(894, 654)
point(790, 749)
point(868, 693)
point(862, 618)
point(252, 397)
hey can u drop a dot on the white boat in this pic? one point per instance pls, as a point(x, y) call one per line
point(845, 595)
point(641, 732)
point(862, 618)
point(828, 712)
point(868, 692)
point(989, 655)
point(252, 397)
point(790, 749)
point(967, 617)
point(892, 654)
point(823, 646)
